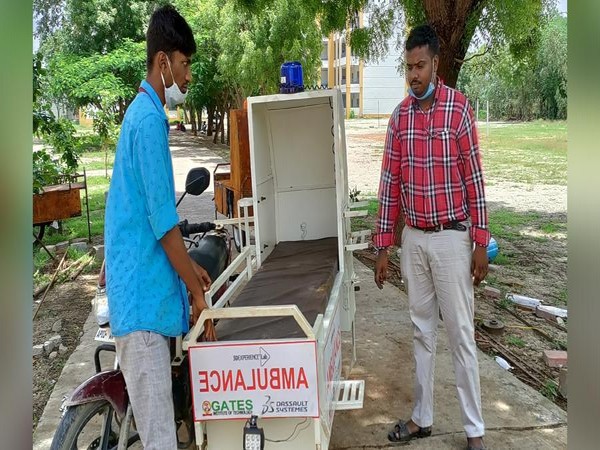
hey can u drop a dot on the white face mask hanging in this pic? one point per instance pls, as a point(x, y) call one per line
point(173, 95)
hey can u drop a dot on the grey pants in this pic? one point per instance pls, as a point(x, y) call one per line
point(146, 364)
point(436, 268)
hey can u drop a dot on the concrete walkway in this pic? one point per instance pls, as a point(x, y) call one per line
point(516, 416)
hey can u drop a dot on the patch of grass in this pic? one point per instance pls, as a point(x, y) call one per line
point(527, 152)
point(502, 260)
point(505, 303)
point(550, 389)
point(373, 207)
point(41, 259)
point(550, 227)
point(516, 341)
point(74, 254)
point(95, 160)
point(560, 344)
point(505, 223)
point(76, 227)
point(563, 296)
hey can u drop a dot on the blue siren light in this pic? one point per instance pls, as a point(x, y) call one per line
point(291, 78)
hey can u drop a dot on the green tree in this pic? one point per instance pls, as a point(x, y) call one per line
point(85, 27)
point(107, 82)
point(207, 87)
point(255, 45)
point(497, 22)
point(522, 88)
point(552, 69)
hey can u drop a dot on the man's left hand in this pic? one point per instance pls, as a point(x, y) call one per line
point(479, 264)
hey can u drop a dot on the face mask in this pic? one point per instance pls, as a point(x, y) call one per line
point(427, 93)
point(173, 95)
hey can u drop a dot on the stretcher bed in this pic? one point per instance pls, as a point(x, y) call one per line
point(300, 273)
point(280, 322)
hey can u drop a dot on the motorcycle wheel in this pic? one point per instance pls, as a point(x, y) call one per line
point(89, 426)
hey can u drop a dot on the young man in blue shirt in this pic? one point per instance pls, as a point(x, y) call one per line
point(149, 272)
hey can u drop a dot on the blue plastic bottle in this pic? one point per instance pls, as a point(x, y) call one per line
point(492, 250)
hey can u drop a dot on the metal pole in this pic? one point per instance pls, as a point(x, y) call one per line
point(487, 117)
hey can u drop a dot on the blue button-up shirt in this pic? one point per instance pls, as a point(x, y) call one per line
point(144, 291)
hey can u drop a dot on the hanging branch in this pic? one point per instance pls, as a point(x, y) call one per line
point(462, 61)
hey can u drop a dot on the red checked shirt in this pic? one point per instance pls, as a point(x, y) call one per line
point(431, 168)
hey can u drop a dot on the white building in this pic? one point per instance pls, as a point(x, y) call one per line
point(372, 89)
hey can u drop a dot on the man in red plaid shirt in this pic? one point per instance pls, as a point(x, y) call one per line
point(432, 177)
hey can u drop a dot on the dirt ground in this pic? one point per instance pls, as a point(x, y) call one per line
point(70, 302)
point(537, 265)
point(538, 270)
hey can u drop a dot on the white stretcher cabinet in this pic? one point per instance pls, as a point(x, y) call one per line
point(282, 361)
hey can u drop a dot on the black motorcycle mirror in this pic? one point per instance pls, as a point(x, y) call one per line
point(196, 182)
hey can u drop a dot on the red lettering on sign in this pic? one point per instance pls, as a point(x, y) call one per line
point(288, 378)
point(217, 387)
point(203, 381)
point(262, 383)
point(276, 378)
point(301, 379)
point(239, 381)
point(275, 383)
point(228, 381)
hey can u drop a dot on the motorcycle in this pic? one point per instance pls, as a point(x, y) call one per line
point(98, 413)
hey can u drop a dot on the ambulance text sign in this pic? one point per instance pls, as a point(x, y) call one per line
point(234, 381)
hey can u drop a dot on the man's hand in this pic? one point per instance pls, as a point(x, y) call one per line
point(202, 275)
point(199, 305)
point(381, 268)
point(479, 264)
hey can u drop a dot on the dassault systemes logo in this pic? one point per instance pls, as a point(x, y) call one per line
point(262, 356)
point(268, 406)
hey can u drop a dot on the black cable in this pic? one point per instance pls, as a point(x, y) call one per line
point(291, 435)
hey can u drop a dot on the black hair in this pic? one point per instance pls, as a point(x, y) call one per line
point(168, 32)
point(423, 35)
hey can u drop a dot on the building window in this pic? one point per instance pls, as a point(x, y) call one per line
point(324, 52)
point(324, 77)
point(343, 49)
point(355, 79)
point(355, 99)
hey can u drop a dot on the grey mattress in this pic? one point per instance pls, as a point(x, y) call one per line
point(296, 272)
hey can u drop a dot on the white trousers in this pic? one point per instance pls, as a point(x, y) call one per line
point(436, 269)
point(145, 360)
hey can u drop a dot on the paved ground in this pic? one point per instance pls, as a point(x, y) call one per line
point(516, 415)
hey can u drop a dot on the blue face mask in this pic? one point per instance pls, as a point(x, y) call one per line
point(429, 91)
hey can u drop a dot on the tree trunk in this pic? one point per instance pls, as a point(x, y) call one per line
point(209, 121)
point(451, 22)
point(193, 120)
point(223, 126)
point(220, 121)
point(199, 117)
point(228, 127)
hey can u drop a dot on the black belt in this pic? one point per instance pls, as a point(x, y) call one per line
point(453, 225)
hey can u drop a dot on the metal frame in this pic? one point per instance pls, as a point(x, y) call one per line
point(339, 313)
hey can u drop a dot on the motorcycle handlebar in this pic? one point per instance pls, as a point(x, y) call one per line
point(195, 228)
